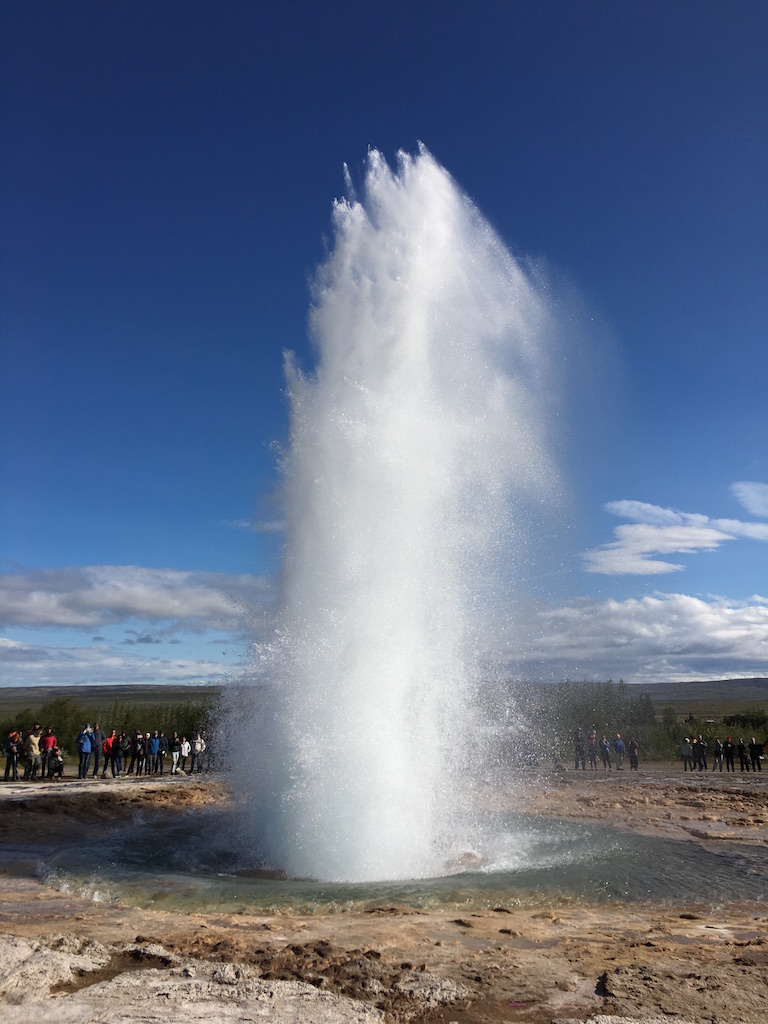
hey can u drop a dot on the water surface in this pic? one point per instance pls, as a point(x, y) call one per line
point(194, 863)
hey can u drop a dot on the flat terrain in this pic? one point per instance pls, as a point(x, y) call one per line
point(565, 962)
point(16, 699)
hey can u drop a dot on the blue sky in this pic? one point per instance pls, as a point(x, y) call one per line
point(166, 183)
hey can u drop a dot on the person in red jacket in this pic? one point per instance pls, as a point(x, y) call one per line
point(107, 749)
point(47, 743)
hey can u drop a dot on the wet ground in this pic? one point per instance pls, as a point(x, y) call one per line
point(693, 960)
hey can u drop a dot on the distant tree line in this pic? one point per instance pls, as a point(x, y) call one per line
point(542, 719)
point(753, 719)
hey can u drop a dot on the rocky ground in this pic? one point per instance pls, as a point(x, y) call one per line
point(67, 959)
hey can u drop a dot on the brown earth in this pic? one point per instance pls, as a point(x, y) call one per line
point(569, 961)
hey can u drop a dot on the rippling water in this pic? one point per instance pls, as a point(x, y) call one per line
point(193, 863)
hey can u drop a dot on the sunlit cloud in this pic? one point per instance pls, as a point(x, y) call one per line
point(658, 531)
point(655, 638)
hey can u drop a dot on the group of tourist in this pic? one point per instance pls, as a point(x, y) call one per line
point(694, 754)
point(38, 751)
point(148, 752)
point(588, 748)
point(38, 754)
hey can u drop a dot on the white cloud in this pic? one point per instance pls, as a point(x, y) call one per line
point(630, 553)
point(662, 531)
point(652, 639)
point(656, 638)
point(26, 664)
point(94, 596)
point(752, 496)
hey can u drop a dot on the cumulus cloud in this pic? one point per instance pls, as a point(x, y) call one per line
point(27, 664)
point(656, 638)
point(658, 531)
point(90, 597)
point(752, 496)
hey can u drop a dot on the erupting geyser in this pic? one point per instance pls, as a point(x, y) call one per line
point(416, 462)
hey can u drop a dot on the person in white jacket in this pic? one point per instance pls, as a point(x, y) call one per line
point(186, 750)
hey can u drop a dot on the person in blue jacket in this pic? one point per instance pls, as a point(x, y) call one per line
point(153, 748)
point(618, 749)
point(85, 749)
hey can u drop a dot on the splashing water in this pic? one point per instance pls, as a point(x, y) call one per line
point(418, 463)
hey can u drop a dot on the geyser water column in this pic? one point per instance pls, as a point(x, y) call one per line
point(417, 450)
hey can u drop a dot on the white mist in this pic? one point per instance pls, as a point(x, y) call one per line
point(417, 458)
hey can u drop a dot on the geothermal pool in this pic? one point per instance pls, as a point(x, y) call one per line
point(191, 864)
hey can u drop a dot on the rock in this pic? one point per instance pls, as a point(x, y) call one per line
point(29, 969)
point(198, 994)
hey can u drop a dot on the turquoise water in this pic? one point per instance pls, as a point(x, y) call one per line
point(195, 862)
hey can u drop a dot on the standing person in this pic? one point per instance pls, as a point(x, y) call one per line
point(605, 753)
point(717, 755)
point(198, 748)
point(580, 749)
point(755, 750)
point(136, 736)
point(151, 747)
point(97, 745)
point(701, 749)
point(633, 749)
point(12, 750)
point(743, 756)
point(108, 749)
point(592, 748)
point(185, 751)
point(618, 749)
point(124, 748)
point(47, 743)
point(84, 749)
point(686, 752)
point(162, 751)
point(694, 753)
point(728, 751)
point(140, 750)
point(32, 752)
point(174, 748)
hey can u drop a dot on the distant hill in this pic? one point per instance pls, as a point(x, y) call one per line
point(709, 696)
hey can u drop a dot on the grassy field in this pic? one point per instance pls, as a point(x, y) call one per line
point(710, 699)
